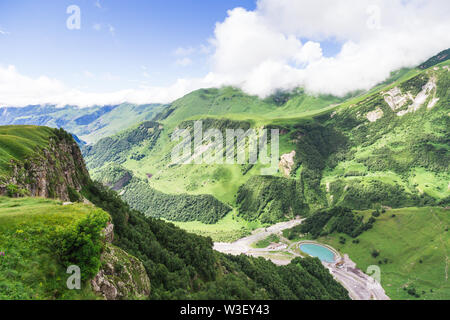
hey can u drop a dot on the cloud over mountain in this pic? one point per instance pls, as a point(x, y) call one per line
point(261, 50)
point(279, 45)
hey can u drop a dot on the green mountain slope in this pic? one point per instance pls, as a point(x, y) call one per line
point(398, 145)
point(441, 56)
point(21, 142)
point(234, 104)
point(40, 238)
point(40, 161)
point(388, 146)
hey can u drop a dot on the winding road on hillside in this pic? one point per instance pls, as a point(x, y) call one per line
point(359, 285)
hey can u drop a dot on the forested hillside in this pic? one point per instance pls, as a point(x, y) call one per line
point(179, 265)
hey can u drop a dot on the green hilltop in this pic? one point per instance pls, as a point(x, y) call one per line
point(20, 142)
point(31, 230)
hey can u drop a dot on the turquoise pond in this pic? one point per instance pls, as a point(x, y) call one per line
point(321, 252)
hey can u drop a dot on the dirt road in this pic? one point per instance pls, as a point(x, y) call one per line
point(244, 245)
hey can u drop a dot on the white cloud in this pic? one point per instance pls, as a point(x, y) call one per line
point(97, 26)
point(44, 90)
point(3, 32)
point(260, 51)
point(98, 4)
point(16, 89)
point(310, 52)
point(243, 41)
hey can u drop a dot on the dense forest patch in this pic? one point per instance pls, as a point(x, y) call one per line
point(184, 266)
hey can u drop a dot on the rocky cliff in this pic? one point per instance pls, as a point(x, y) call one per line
point(55, 171)
point(121, 276)
point(47, 163)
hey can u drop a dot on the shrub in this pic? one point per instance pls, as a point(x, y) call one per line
point(81, 243)
point(74, 196)
point(13, 190)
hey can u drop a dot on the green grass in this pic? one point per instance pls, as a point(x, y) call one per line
point(417, 248)
point(30, 269)
point(20, 142)
point(434, 184)
point(234, 104)
point(229, 229)
point(264, 243)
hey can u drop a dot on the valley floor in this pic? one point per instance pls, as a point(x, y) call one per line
point(359, 285)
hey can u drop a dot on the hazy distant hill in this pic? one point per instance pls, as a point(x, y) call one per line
point(89, 124)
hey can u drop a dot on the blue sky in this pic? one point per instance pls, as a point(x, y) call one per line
point(146, 51)
point(141, 48)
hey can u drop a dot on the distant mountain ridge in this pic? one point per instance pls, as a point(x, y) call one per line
point(88, 124)
point(440, 57)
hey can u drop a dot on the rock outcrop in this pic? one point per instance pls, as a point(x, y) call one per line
point(57, 171)
point(287, 163)
point(122, 276)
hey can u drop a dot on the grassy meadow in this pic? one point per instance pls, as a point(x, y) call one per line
point(413, 246)
point(30, 268)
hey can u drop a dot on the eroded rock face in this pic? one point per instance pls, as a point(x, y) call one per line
point(121, 277)
point(51, 173)
point(374, 115)
point(287, 163)
point(397, 100)
point(108, 232)
point(101, 285)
